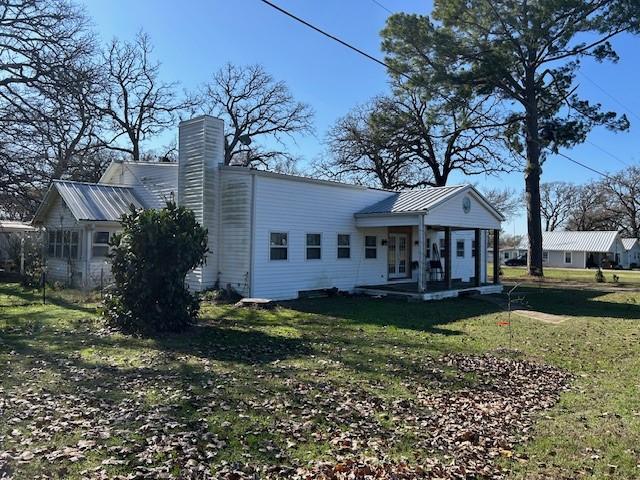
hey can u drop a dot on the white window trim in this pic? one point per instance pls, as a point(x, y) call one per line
point(338, 246)
point(287, 246)
point(565, 258)
point(94, 244)
point(464, 248)
point(309, 246)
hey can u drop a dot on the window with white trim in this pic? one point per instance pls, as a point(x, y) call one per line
point(568, 257)
point(314, 246)
point(100, 247)
point(370, 246)
point(344, 245)
point(506, 255)
point(443, 251)
point(460, 248)
point(63, 244)
point(545, 256)
point(278, 246)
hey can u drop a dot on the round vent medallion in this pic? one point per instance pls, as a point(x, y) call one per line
point(466, 204)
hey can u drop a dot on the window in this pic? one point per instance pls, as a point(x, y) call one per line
point(545, 256)
point(314, 246)
point(100, 244)
point(370, 246)
point(63, 244)
point(567, 257)
point(473, 248)
point(279, 246)
point(428, 255)
point(443, 252)
point(460, 248)
point(344, 245)
point(506, 255)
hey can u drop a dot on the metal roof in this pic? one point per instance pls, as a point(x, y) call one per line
point(94, 201)
point(600, 241)
point(629, 243)
point(412, 200)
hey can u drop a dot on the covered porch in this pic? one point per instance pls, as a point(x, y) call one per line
point(435, 248)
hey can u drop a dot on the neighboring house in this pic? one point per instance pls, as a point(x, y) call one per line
point(12, 236)
point(509, 253)
point(588, 249)
point(278, 236)
point(631, 256)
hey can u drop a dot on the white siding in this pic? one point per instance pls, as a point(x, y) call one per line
point(63, 270)
point(556, 259)
point(154, 183)
point(462, 268)
point(201, 151)
point(451, 214)
point(235, 231)
point(298, 208)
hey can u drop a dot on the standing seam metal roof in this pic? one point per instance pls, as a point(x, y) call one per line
point(412, 200)
point(600, 241)
point(97, 202)
point(629, 243)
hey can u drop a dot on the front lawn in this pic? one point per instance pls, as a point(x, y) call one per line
point(625, 277)
point(324, 388)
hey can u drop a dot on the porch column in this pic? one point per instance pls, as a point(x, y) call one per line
point(421, 254)
point(88, 244)
point(496, 256)
point(447, 257)
point(476, 261)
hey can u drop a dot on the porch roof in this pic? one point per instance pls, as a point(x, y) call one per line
point(412, 201)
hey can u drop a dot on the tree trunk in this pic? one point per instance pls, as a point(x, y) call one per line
point(532, 191)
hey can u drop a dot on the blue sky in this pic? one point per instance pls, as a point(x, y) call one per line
point(193, 38)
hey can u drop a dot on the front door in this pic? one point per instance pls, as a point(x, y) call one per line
point(398, 255)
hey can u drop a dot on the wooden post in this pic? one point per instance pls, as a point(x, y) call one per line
point(447, 258)
point(477, 270)
point(496, 256)
point(421, 254)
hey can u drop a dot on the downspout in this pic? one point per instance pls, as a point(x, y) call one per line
point(252, 233)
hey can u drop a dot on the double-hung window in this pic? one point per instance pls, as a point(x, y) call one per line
point(545, 256)
point(370, 246)
point(344, 245)
point(278, 246)
point(443, 251)
point(460, 248)
point(100, 244)
point(314, 246)
point(63, 243)
point(568, 257)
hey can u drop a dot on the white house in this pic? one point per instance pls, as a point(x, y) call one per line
point(279, 236)
point(631, 256)
point(586, 249)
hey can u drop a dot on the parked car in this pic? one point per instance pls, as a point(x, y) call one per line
point(516, 262)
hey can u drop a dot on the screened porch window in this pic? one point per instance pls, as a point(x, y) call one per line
point(63, 244)
point(314, 246)
point(278, 246)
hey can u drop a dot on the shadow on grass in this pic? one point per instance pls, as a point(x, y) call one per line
point(429, 317)
point(577, 303)
point(34, 298)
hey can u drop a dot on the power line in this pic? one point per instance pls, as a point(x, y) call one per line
point(608, 153)
point(609, 95)
point(382, 6)
point(584, 165)
point(335, 39)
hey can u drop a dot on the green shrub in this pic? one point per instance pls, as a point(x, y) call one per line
point(33, 263)
point(600, 276)
point(150, 260)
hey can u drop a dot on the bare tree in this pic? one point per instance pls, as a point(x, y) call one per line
point(418, 137)
point(588, 210)
point(556, 201)
point(622, 200)
point(255, 107)
point(135, 101)
point(506, 200)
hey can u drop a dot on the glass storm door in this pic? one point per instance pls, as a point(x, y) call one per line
point(397, 255)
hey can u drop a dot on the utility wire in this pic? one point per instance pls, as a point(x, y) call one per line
point(380, 62)
point(608, 153)
point(335, 39)
point(609, 95)
point(382, 6)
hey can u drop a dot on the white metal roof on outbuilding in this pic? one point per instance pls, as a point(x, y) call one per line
point(629, 243)
point(92, 201)
point(600, 241)
point(13, 226)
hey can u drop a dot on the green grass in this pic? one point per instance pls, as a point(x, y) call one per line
point(626, 277)
point(271, 387)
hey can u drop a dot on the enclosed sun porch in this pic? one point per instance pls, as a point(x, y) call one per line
point(436, 243)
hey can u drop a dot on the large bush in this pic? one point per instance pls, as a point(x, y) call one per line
point(150, 260)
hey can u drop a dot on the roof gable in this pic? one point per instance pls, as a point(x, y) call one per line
point(629, 243)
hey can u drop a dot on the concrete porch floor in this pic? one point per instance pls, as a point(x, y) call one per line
point(435, 290)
